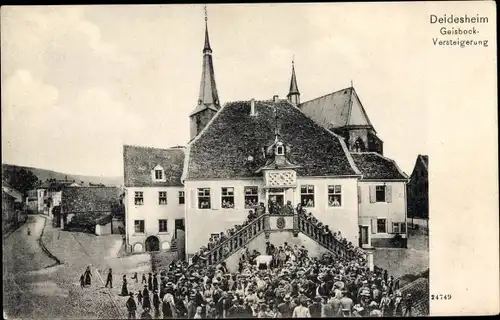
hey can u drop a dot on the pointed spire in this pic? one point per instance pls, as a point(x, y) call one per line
point(208, 90)
point(206, 48)
point(294, 94)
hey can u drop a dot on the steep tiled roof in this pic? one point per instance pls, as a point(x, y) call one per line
point(375, 166)
point(223, 147)
point(337, 109)
point(140, 161)
point(88, 199)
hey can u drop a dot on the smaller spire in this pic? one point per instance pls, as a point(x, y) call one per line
point(206, 48)
point(294, 94)
point(351, 84)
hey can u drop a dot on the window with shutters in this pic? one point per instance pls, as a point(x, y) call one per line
point(227, 198)
point(381, 226)
point(380, 193)
point(307, 195)
point(138, 198)
point(138, 226)
point(204, 198)
point(182, 198)
point(162, 197)
point(251, 197)
point(335, 195)
point(398, 227)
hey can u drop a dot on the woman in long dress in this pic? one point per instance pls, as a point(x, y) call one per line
point(88, 275)
point(146, 302)
point(124, 286)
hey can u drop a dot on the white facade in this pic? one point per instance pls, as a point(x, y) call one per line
point(383, 217)
point(201, 223)
point(40, 193)
point(150, 211)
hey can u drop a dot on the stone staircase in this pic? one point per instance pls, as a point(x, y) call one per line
point(419, 290)
point(261, 224)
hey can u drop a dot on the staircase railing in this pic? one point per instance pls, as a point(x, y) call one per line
point(237, 241)
point(326, 240)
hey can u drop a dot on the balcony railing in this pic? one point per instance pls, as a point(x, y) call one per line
point(237, 241)
point(300, 224)
point(326, 240)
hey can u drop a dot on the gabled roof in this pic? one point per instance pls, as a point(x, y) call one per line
point(138, 163)
point(88, 199)
point(338, 109)
point(221, 150)
point(11, 191)
point(373, 166)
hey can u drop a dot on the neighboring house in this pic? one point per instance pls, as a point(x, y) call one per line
point(418, 189)
point(85, 207)
point(32, 201)
point(42, 196)
point(13, 209)
point(324, 154)
point(154, 197)
point(52, 195)
point(382, 200)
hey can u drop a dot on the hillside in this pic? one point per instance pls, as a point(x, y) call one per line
point(44, 174)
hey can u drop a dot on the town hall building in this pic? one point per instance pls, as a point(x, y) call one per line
point(324, 154)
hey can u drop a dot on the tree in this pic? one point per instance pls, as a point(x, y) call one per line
point(20, 179)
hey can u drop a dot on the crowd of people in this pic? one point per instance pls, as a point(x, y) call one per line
point(293, 285)
point(282, 282)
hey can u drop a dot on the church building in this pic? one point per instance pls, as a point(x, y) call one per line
point(324, 154)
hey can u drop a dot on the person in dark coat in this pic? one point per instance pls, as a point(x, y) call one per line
point(82, 281)
point(131, 306)
point(88, 275)
point(155, 282)
point(145, 314)
point(109, 279)
point(139, 297)
point(146, 303)
point(145, 292)
point(156, 304)
point(124, 286)
point(315, 308)
point(150, 282)
point(143, 279)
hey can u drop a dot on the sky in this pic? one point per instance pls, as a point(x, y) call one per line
point(79, 82)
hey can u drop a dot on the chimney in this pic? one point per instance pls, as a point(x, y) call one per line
point(252, 107)
point(275, 98)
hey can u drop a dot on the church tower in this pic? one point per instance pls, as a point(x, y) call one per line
point(208, 100)
point(294, 94)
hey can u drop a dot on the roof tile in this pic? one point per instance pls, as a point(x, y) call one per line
point(222, 149)
point(374, 166)
point(139, 161)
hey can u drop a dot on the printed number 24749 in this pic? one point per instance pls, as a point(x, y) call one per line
point(440, 296)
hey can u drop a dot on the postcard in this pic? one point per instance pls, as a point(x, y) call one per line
point(250, 160)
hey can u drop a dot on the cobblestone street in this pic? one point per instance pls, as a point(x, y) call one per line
point(33, 291)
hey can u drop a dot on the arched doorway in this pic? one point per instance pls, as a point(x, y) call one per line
point(152, 244)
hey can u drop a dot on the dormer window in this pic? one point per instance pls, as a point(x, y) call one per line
point(280, 150)
point(158, 174)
